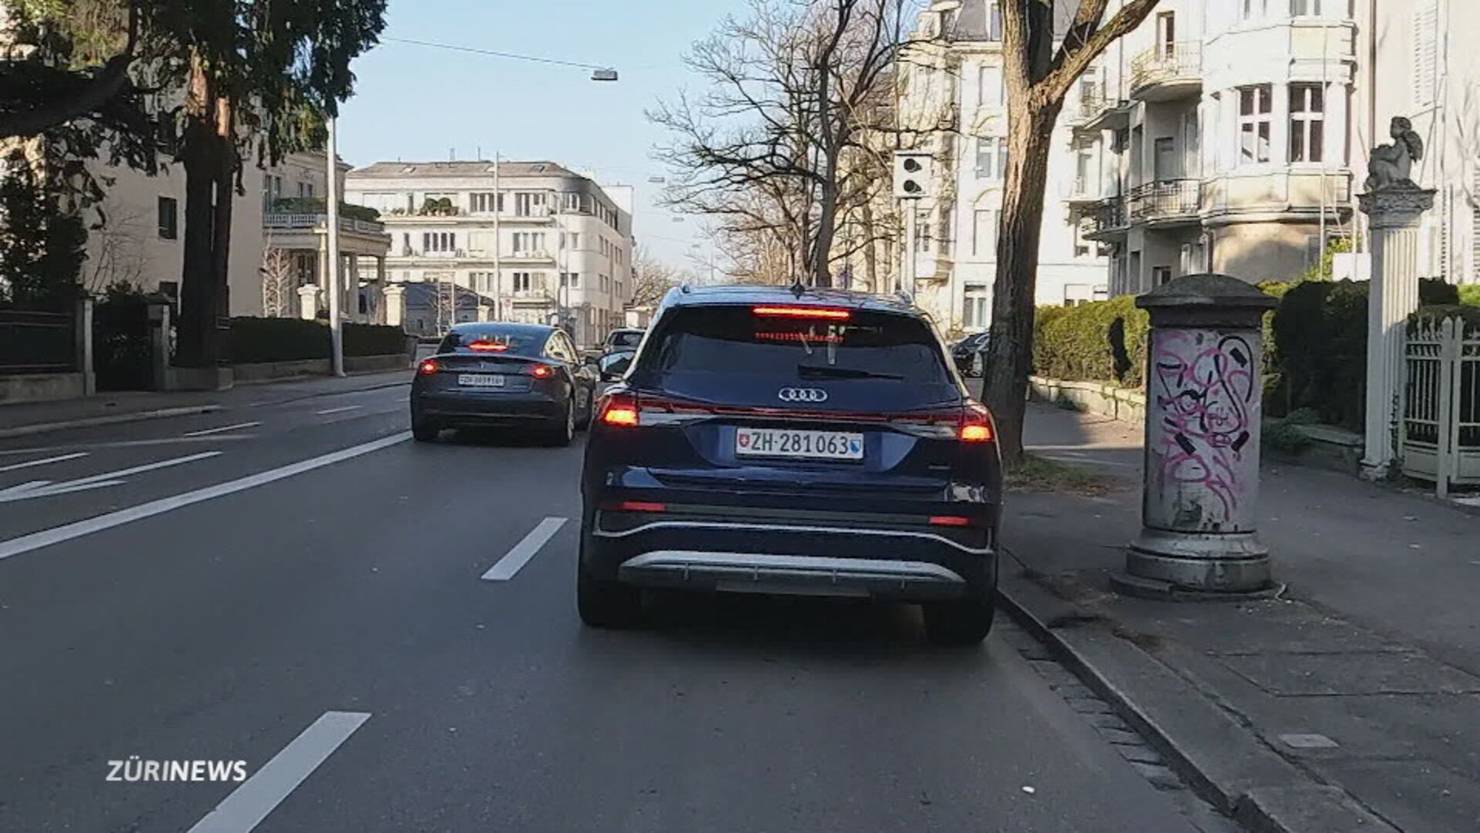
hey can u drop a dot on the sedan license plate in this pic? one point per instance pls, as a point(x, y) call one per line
point(480, 380)
point(805, 445)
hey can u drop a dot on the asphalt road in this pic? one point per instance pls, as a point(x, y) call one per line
point(307, 594)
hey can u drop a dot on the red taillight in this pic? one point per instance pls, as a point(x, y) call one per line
point(542, 371)
point(428, 367)
point(968, 424)
point(641, 506)
point(821, 313)
point(620, 411)
point(949, 520)
point(487, 346)
point(976, 432)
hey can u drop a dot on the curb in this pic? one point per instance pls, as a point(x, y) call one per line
point(108, 419)
point(1222, 761)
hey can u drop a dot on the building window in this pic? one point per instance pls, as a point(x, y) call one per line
point(571, 201)
point(991, 157)
point(1166, 33)
point(438, 241)
point(1160, 275)
point(1304, 8)
point(983, 232)
point(523, 281)
point(989, 89)
point(1425, 36)
point(1253, 123)
point(975, 310)
point(922, 231)
point(484, 202)
point(1253, 9)
point(169, 218)
point(994, 20)
point(575, 240)
point(1306, 122)
point(482, 282)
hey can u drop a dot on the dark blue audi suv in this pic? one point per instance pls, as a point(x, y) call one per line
point(801, 442)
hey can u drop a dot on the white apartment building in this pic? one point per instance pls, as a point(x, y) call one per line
point(1220, 129)
point(534, 239)
point(952, 85)
point(1422, 65)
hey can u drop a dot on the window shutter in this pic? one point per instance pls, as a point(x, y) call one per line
point(1425, 52)
point(1475, 226)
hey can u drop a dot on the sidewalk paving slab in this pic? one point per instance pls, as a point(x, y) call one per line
point(1310, 711)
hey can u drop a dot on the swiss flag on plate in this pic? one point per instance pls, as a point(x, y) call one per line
point(744, 440)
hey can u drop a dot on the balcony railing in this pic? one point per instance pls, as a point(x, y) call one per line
point(1107, 217)
point(283, 220)
point(1167, 63)
point(1165, 199)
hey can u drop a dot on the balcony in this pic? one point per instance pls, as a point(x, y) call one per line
point(532, 298)
point(1097, 111)
point(1167, 71)
point(1291, 193)
point(1083, 194)
point(1106, 220)
point(1164, 202)
point(285, 221)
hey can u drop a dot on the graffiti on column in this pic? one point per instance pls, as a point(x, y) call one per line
point(1205, 393)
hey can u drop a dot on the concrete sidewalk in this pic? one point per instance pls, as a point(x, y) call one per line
point(1351, 700)
point(132, 406)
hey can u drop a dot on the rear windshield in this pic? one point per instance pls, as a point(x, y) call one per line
point(493, 342)
point(626, 339)
point(736, 340)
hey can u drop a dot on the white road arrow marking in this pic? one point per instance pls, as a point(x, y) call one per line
point(43, 462)
point(46, 488)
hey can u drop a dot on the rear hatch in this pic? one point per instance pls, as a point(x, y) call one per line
point(771, 401)
point(483, 363)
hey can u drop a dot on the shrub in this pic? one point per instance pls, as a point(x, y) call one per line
point(1320, 337)
point(373, 340)
point(316, 205)
point(1469, 295)
point(1437, 292)
point(276, 340)
point(1102, 341)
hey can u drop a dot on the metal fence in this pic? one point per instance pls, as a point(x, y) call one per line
point(37, 342)
point(1164, 199)
point(1440, 430)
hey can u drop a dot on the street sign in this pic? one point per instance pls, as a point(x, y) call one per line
point(912, 174)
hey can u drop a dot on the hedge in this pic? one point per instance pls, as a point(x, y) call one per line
point(1469, 295)
point(317, 205)
point(256, 340)
point(1095, 341)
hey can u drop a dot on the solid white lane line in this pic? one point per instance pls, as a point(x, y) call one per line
point(505, 568)
point(259, 795)
point(339, 410)
point(222, 430)
point(15, 466)
point(77, 529)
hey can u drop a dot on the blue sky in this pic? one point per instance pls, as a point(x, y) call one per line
point(417, 103)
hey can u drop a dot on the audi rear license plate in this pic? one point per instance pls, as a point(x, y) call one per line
point(480, 380)
point(805, 445)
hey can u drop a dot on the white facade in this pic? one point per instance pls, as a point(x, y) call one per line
point(1424, 65)
point(539, 240)
point(956, 84)
point(1223, 128)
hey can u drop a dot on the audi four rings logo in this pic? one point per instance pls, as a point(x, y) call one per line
point(802, 395)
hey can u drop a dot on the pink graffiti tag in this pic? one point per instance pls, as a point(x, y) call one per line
point(1206, 395)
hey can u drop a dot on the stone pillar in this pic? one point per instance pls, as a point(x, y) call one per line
point(1203, 392)
point(351, 303)
point(1393, 213)
point(395, 304)
point(308, 302)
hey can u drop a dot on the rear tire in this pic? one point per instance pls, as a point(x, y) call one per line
point(958, 622)
point(564, 429)
point(584, 424)
point(606, 604)
point(424, 430)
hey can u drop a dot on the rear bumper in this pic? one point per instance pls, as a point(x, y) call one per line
point(485, 407)
point(790, 557)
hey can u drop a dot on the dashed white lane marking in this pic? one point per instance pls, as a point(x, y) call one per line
point(259, 795)
point(46, 488)
point(77, 529)
point(31, 463)
point(505, 568)
point(222, 430)
point(339, 410)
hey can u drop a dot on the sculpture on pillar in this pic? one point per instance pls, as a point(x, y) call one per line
point(1392, 163)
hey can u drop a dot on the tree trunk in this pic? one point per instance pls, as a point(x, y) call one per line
point(870, 257)
point(826, 220)
point(1011, 346)
point(196, 345)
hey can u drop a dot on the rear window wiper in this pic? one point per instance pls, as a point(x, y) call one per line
point(843, 372)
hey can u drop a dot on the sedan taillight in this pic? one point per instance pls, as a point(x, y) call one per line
point(428, 367)
point(542, 371)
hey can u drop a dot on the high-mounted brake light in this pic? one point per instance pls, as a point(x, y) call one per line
point(487, 346)
point(428, 367)
point(620, 411)
point(542, 371)
point(818, 313)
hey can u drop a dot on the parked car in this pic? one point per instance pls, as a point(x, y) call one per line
point(617, 352)
point(516, 376)
point(817, 443)
point(970, 354)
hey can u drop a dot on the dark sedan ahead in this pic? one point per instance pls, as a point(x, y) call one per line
point(521, 376)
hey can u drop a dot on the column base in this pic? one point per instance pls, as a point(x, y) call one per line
point(1222, 563)
point(1376, 471)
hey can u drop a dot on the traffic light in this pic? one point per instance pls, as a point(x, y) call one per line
point(912, 174)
